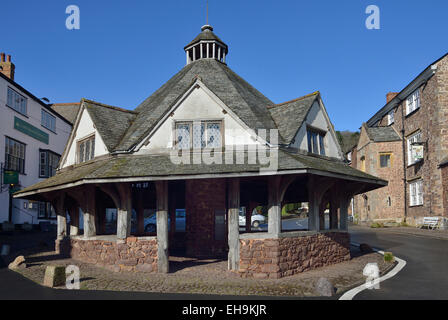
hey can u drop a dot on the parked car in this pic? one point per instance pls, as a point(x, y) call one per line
point(151, 222)
point(256, 218)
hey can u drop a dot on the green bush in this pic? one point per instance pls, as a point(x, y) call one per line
point(377, 225)
point(388, 257)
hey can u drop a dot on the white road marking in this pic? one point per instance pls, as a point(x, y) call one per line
point(349, 295)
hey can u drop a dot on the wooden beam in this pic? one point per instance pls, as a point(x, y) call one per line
point(233, 224)
point(162, 227)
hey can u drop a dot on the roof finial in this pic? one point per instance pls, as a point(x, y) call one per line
point(207, 13)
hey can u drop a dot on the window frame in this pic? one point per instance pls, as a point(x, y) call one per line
point(13, 107)
point(47, 153)
point(22, 165)
point(415, 97)
point(191, 124)
point(391, 118)
point(49, 212)
point(49, 116)
point(316, 141)
point(416, 196)
point(92, 148)
point(390, 154)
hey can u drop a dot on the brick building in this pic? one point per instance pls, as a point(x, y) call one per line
point(406, 143)
point(211, 146)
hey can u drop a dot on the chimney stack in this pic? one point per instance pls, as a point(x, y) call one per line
point(391, 95)
point(6, 66)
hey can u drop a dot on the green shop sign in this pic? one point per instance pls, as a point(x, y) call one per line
point(10, 177)
point(31, 130)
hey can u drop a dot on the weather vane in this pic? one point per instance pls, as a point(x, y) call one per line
point(207, 12)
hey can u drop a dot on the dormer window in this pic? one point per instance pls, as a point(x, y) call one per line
point(198, 134)
point(86, 149)
point(316, 140)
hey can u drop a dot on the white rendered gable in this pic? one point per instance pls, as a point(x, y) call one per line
point(84, 129)
point(317, 118)
point(198, 104)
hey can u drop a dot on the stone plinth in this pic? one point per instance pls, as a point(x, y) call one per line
point(286, 256)
point(132, 254)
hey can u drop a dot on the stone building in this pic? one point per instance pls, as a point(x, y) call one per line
point(406, 143)
point(204, 149)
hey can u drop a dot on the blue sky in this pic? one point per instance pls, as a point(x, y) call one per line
point(125, 50)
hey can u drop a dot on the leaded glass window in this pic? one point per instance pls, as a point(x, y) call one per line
point(198, 135)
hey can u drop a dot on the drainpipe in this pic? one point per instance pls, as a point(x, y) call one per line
point(404, 163)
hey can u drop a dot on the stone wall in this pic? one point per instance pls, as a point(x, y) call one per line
point(276, 258)
point(134, 254)
point(386, 202)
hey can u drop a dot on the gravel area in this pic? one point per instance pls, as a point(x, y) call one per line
point(207, 277)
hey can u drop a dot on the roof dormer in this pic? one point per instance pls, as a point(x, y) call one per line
point(206, 45)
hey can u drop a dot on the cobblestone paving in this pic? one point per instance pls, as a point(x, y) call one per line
point(207, 277)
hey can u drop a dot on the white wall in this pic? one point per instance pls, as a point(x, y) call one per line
point(317, 119)
point(84, 130)
point(199, 105)
point(56, 144)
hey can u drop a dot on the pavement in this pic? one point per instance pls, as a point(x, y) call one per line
point(425, 275)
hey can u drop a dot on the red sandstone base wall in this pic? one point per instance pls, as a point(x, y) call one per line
point(277, 258)
point(133, 255)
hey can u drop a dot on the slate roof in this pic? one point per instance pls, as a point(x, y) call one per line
point(111, 122)
point(153, 166)
point(68, 110)
point(290, 115)
point(382, 134)
point(243, 99)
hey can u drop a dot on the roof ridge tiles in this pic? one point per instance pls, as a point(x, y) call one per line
point(315, 93)
point(108, 106)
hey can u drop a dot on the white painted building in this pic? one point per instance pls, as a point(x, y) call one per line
point(32, 139)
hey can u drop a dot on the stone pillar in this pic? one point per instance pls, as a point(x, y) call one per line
point(202, 50)
point(124, 211)
point(74, 220)
point(274, 206)
point(162, 226)
point(90, 212)
point(233, 224)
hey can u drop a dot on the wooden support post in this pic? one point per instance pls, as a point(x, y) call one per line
point(275, 206)
point(90, 212)
point(317, 187)
point(233, 225)
point(59, 206)
point(140, 213)
point(124, 213)
point(74, 220)
point(333, 212)
point(344, 203)
point(162, 226)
